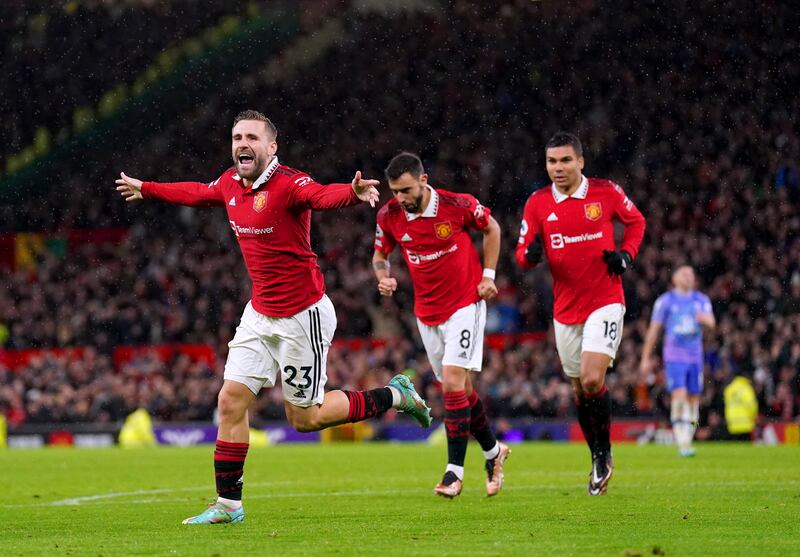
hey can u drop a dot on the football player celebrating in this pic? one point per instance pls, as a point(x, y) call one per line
point(288, 325)
point(431, 226)
point(571, 222)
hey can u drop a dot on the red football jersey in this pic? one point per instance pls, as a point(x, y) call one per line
point(575, 230)
point(272, 222)
point(442, 260)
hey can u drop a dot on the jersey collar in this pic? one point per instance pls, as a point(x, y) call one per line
point(431, 210)
point(267, 174)
point(580, 193)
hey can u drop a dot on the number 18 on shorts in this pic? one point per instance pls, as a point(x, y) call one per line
point(601, 333)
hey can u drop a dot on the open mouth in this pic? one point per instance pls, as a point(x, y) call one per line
point(245, 160)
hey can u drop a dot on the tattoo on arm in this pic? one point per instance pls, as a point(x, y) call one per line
point(381, 265)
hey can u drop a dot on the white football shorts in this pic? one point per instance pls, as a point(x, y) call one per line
point(601, 332)
point(295, 346)
point(458, 341)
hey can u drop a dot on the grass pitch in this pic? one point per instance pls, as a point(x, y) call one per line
point(376, 499)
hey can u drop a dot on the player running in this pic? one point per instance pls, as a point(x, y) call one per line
point(432, 228)
point(288, 325)
point(572, 223)
point(682, 312)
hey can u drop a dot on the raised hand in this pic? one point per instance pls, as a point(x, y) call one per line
point(130, 188)
point(366, 189)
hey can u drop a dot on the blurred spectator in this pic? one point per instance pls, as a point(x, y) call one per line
point(68, 54)
point(741, 408)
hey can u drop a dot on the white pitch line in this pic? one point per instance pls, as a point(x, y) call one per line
point(72, 501)
point(81, 500)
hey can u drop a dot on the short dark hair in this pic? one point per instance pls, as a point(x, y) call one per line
point(402, 163)
point(256, 115)
point(561, 139)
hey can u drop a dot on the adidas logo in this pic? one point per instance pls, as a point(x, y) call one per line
point(406, 238)
point(300, 394)
point(552, 217)
point(610, 345)
point(463, 355)
point(232, 202)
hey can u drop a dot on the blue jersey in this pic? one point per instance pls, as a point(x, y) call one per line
point(683, 335)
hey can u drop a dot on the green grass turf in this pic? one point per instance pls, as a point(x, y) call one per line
point(376, 499)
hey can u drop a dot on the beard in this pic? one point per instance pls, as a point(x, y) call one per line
point(252, 170)
point(413, 206)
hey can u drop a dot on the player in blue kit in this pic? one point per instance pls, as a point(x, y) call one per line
point(682, 312)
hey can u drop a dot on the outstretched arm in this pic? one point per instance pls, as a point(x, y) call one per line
point(335, 196)
point(194, 194)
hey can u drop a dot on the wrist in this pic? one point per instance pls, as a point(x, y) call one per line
point(489, 273)
point(382, 268)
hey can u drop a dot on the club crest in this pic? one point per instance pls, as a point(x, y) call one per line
point(593, 211)
point(260, 201)
point(443, 230)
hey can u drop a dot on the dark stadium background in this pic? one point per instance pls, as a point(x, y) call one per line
point(691, 106)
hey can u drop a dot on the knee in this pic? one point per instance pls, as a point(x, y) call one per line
point(304, 423)
point(592, 383)
point(450, 386)
point(679, 395)
point(231, 407)
point(454, 381)
point(468, 388)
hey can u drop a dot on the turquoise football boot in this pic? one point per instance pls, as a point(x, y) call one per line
point(217, 513)
point(410, 401)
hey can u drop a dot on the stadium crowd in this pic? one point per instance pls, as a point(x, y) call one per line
point(70, 53)
point(708, 153)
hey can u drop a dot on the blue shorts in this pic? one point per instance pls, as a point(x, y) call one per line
point(684, 376)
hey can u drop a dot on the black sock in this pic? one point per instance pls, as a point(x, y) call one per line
point(585, 421)
point(479, 424)
point(368, 404)
point(229, 468)
point(599, 409)
point(456, 422)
